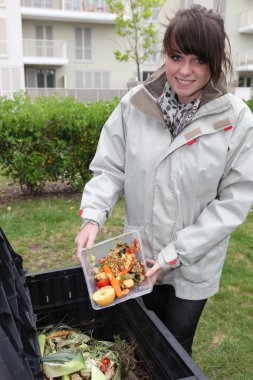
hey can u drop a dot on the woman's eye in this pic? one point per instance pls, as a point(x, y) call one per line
point(175, 57)
point(200, 61)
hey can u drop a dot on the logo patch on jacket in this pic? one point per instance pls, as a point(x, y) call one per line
point(222, 123)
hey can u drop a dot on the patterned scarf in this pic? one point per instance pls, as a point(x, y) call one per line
point(176, 116)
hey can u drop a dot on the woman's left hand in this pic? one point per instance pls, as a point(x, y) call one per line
point(155, 271)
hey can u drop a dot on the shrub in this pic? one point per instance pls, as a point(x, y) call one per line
point(250, 104)
point(50, 139)
point(83, 141)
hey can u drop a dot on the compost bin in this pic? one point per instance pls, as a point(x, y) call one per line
point(29, 302)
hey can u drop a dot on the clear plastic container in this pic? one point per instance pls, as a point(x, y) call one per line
point(90, 257)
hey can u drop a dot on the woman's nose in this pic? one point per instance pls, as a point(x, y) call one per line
point(186, 68)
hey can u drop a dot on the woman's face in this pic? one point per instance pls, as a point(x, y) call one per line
point(187, 75)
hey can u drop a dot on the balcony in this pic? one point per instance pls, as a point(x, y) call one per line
point(67, 10)
point(246, 22)
point(245, 61)
point(45, 52)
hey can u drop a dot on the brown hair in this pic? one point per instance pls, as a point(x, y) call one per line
point(199, 31)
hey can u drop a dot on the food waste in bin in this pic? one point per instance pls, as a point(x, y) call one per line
point(70, 354)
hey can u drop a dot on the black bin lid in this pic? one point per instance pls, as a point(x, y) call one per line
point(19, 349)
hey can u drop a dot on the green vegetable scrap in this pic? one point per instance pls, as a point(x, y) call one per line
point(73, 355)
point(63, 363)
point(42, 343)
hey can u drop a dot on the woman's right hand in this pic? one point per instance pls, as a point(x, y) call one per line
point(154, 270)
point(85, 238)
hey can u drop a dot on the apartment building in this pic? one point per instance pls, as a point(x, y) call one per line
point(68, 46)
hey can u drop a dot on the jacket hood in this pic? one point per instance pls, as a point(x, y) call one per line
point(152, 88)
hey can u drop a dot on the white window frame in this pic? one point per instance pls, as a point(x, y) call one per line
point(244, 79)
point(83, 44)
point(93, 79)
point(12, 77)
point(44, 33)
point(3, 38)
point(33, 73)
point(42, 3)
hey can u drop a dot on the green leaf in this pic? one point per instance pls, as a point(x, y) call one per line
point(63, 363)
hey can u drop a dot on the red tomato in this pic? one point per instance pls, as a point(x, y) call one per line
point(136, 245)
point(130, 250)
point(106, 361)
point(101, 283)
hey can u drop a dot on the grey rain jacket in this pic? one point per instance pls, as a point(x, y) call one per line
point(185, 196)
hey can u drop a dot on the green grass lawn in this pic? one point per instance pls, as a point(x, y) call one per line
point(43, 231)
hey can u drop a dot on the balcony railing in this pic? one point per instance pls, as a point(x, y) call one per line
point(68, 5)
point(44, 48)
point(245, 58)
point(246, 18)
point(82, 95)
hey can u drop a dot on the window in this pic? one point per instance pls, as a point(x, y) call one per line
point(83, 44)
point(88, 80)
point(44, 37)
point(92, 79)
point(245, 82)
point(40, 78)
point(45, 78)
point(43, 3)
point(10, 80)
point(3, 38)
point(74, 5)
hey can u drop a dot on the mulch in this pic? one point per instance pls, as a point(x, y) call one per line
point(13, 193)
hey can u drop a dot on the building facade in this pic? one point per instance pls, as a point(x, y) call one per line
point(68, 46)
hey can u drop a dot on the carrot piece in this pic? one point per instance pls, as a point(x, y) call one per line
point(114, 282)
point(59, 333)
point(126, 270)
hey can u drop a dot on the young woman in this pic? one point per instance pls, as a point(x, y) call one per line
point(179, 148)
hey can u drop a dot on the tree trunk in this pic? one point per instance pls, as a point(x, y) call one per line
point(138, 70)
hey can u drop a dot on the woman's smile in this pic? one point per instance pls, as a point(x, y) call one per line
point(184, 81)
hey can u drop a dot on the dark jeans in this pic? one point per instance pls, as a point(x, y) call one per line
point(179, 316)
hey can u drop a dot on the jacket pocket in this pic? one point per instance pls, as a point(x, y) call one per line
point(208, 269)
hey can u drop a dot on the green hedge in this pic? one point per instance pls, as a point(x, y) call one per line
point(250, 104)
point(50, 139)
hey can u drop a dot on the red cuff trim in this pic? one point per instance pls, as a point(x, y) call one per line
point(80, 212)
point(191, 142)
point(228, 128)
point(172, 262)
